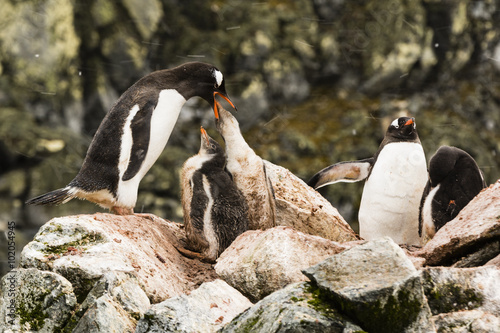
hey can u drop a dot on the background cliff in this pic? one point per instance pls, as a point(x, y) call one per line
point(315, 82)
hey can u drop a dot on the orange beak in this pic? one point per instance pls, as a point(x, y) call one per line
point(205, 135)
point(216, 112)
point(409, 122)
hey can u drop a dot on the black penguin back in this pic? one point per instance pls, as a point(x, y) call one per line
point(459, 179)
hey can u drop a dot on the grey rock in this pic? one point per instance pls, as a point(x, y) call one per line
point(120, 289)
point(34, 300)
point(466, 321)
point(105, 315)
point(206, 309)
point(456, 289)
point(261, 262)
point(298, 307)
point(377, 285)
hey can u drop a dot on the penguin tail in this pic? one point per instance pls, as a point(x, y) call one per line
point(56, 197)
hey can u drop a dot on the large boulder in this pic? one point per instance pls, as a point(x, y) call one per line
point(376, 285)
point(296, 308)
point(83, 248)
point(470, 239)
point(206, 309)
point(261, 262)
point(301, 207)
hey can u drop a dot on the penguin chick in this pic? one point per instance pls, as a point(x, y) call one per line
point(215, 211)
point(395, 179)
point(133, 134)
point(454, 180)
point(249, 173)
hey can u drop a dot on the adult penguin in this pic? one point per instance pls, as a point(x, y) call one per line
point(454, 180)
point(215, 211)
point(395, 179)
point(134, 133)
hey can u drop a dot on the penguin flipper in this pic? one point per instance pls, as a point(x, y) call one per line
point(141, 134)
point(350, 172)
point(56, 197)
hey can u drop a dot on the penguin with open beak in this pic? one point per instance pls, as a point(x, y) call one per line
point(454, 180)
point(215, 210)
point(395, 179)
point(134, 133)
point(249, 173)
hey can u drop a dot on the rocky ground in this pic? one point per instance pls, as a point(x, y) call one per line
point(101, 272)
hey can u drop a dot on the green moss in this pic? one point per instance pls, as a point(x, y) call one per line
point(81, 244)
point(450, 297)
point(322, 302)
point(30, 311)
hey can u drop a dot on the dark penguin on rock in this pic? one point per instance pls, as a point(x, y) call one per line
point(215, 211)
point(454, 180)
point(395, 179)
point(134, 133)
point(249, 173)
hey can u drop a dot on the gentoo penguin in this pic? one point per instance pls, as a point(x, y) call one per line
point(215, 211)
point(395, 179)
point(134, 133)
point(248, 172)
point(454, 180)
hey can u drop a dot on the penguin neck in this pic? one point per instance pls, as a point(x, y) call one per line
point(235, 143)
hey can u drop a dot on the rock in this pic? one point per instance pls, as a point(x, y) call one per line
point(117, 292)
point(494, 262)
point(206, 309)
point(296, 308)
point(475, 227)
point(261, 262)
point(33, 300)
point(304, 209)
point(84, 248)
point(466, 321)
point(105, 315)
point(376, 285)
point(457, 289)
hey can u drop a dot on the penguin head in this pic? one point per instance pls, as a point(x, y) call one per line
point(226, 122)
point(211, 148)
point(204, 80)
point(403, 129)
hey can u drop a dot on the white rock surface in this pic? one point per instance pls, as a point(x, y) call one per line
point(206, 309)
point(261, 262)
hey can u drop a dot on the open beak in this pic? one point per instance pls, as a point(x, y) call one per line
point(205, 135)
point(216, 112)
point(409, 121)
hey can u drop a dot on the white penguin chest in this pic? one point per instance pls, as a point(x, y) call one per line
point(392, 193)
point(428, 226)
point(163, 120)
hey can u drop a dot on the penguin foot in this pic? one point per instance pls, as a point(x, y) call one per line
point(194, 255)
point(122, 210)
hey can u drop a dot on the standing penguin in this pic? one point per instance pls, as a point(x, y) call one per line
point(395, 179)
point(134, 133)
point(454, 180)
point(215, 211)
point(249, 173)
